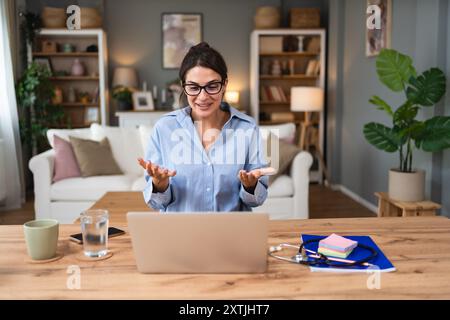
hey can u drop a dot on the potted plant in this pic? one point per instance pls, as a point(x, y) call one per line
point(34, 92)
point(123, 95)
point(396, 71)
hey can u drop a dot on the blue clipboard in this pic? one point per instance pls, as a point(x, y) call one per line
point(381, 262)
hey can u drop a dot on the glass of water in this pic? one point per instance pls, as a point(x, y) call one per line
point(94, 227)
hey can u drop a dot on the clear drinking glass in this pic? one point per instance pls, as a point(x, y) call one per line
point(94, 227)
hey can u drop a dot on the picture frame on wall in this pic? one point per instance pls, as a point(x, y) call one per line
point(143, 101)
point(91, 115)
point(377, 39)
point(180, 31)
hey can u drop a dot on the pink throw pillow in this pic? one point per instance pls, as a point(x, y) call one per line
point(66, 165)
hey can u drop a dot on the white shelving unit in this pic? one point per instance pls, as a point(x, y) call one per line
point(95, 63)
point(266, 45)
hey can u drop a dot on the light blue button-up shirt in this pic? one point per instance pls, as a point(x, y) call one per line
point(205, 180)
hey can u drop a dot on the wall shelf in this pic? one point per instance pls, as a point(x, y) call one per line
point(65, 54)
point(270, 90)
point(94, 82)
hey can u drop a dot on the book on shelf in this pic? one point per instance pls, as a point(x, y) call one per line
point(282, 116)
point(273, 94)
point(313, 68)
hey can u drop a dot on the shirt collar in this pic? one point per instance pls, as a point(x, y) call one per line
point(185, 112)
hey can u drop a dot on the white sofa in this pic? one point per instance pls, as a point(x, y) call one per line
point(65, 199)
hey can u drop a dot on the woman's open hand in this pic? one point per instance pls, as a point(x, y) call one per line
point(249, 179)
point(160, 176)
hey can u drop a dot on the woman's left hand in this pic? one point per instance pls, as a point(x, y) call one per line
point(249, 179)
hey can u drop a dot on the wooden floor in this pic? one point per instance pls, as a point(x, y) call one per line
point(323, 203)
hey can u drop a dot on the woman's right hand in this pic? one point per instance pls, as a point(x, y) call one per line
point(160, 176)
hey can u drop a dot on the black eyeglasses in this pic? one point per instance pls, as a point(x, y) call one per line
point(192, 89)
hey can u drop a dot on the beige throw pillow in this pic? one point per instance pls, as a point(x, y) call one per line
point(94, 158)
point(286, 156)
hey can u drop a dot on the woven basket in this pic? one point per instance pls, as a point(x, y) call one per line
point(267, 18)
point(305, 18)
point(90, 18)
point(53, 17)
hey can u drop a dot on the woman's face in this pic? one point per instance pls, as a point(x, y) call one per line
point(204, 104)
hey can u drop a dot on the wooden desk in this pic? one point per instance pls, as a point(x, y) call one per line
point(119, 203)
point(419, 248)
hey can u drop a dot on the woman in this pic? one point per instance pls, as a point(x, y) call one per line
point(205, 156)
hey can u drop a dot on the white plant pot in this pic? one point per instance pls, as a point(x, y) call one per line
point(407, 186)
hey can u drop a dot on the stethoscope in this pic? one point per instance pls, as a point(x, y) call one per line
point(309, 257)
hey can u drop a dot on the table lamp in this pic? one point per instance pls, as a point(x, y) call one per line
point(125, 76)
point(307, 100)
point(232, 97)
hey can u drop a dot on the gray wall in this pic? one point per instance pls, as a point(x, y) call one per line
point(134, 33)
point(446, 109)
point(416, 31)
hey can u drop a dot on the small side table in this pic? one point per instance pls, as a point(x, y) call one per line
point(392, 208)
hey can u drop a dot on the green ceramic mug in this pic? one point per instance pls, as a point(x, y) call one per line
point(41, 237)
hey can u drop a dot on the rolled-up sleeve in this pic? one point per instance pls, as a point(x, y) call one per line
point(157, 200)
point(256, 160)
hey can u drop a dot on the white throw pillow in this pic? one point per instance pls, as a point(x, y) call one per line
point(84, 133)
point(145, 132)
point(125, 145)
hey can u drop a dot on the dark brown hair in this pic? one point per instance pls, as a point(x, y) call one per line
point(204, 56)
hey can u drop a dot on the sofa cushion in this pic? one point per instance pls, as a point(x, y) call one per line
point(286, 154)
point(138, 184)
point(125, 144)
point(285, 131)
point(145, 133)
point(90, 188)
point(84, 133)
point(283, 186)
point(94, 157)
point(66, 165)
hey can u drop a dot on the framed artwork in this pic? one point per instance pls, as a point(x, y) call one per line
point(91, 115)
point(180, 31)
point(44, 62)
point(377, 39)
point(143, 100)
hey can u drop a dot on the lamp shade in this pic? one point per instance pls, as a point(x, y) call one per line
point(232, 97)
point(306, 99)
point(125, 76)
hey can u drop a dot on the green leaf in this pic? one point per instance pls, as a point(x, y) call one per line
point(394, 69)
point(405, 114)
point(381, 137)
point(382, 105)
point(428, 88)
point(436, 134)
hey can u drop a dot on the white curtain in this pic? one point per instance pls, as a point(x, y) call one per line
point(11, 178)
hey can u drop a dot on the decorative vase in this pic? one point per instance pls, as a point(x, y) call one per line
point(124, 105)
point(58, 96)
point(77, 68)
point(72, 96)
point(276, 68)
point(300, 43)
point(68, 47)
point(407, 186)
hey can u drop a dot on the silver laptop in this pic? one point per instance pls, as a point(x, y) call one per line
point(232, 242)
